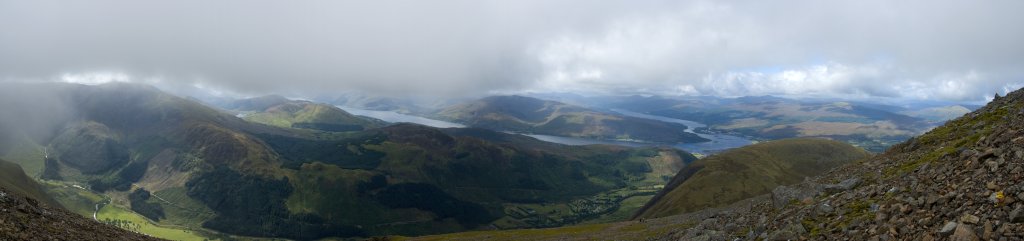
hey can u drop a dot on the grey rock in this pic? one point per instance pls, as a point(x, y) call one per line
point(790, 232)
point(931, 199)
point(824, 209)
point(730, 227)
point(783, 195)
point(843, 186)
point(992, 166)
point(987, 229)
point(964, 232)
point(968, 218)
point(948, 228)
point(707, 223)
point(993, 198)
point(1017, 215)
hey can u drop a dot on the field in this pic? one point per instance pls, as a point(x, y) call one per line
point(123, 218)
point(84, 202)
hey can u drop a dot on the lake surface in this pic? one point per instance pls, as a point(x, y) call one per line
point(395, 117)
point(718, 142)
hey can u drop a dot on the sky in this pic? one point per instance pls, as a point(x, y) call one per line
point(922, 50)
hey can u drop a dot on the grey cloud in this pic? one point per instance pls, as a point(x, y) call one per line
point(907, 48)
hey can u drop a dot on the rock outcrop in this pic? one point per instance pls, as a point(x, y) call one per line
point(23, 218)
point(960, 181)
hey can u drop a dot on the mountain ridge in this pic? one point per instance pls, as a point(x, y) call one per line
point(531, 115)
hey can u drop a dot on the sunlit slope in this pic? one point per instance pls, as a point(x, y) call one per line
point(282, 112)
point(14, 180)
point(206, 168)
point(749, 171)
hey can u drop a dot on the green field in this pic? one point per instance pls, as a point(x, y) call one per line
point(77, 200)
point(140, 224)
point(627, 207)
point(83, 202)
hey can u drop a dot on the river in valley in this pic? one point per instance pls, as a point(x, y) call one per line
point(718, 142)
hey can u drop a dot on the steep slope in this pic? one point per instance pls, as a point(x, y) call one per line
point(182, 164)
point(118, 137)
point(279, 111)
point(745, 172)
point(14, 180)
point(530, 115)
point(25, 218)
point(412, 179)
point(959, 181)
point(28, 213)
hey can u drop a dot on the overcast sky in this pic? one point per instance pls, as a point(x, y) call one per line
point(947, 50)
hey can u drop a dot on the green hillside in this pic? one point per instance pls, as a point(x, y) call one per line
point(183, 165)
point(530, 115)
point(279, 111)
point(745, 172)
point(13, 179)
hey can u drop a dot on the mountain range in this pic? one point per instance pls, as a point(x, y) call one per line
point(180, 163)
point(958, 181)
point(536, 116)
point(137, 158)
point(871, 126)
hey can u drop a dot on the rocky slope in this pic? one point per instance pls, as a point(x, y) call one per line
point(23, 218)
point(960, 181)
point(15, 181)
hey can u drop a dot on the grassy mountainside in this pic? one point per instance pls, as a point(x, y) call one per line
point(14, 180)
point(186, 166)
point(530, 115)
point(413, 179)
point(746, 172)
point(279, 111)
point(959, 181)
point(769, 117)
point(26, 218)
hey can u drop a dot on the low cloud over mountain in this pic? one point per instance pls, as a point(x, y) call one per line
point(961, 50)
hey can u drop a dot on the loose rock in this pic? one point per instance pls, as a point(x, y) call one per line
point(948, 228)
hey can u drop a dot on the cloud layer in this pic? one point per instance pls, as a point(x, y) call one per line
point(951, 50)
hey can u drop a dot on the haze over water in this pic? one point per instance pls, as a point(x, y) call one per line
point(718, 142)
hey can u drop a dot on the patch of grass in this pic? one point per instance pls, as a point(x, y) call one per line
point(811, 225)
point(28, 155)
point(142, 225)
point(907, 167)
point(731, 176)
point(855, 210)
point(523, 234)
point(77, 200)
point(954, 135)
point(627, 208)
point(182, 210)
